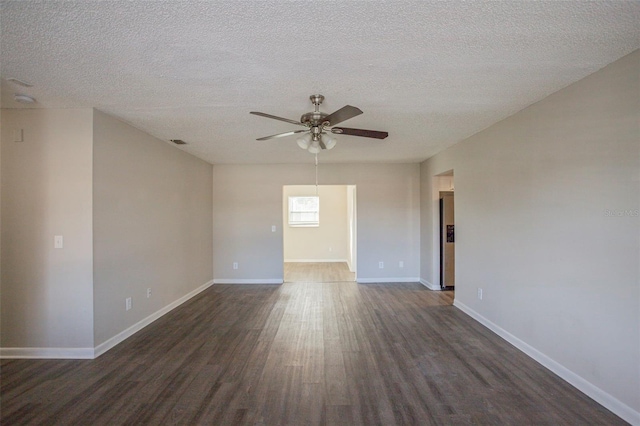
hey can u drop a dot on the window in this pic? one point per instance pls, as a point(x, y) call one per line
point(304, 211)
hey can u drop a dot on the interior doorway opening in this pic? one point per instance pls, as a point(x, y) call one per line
point(447, 240)
point(444, 237)
point(319, 233)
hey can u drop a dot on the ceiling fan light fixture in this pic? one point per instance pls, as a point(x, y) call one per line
point(314, 148)
point(304, 141)
point(329, 141)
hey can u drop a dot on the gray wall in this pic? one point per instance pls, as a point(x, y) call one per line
point(46, 296)
point(134, 212)
point(152, 224)
point(541, 227)
point(248, 201)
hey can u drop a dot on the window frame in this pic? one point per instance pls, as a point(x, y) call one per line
point(303, 223)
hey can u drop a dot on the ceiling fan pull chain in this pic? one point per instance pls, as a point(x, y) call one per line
point(316, 174)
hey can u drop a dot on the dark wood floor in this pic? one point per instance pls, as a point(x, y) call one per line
point(301, 353)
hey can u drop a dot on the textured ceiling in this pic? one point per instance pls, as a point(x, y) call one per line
point(429, 73)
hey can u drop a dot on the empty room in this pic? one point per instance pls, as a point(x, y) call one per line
point(320, 212)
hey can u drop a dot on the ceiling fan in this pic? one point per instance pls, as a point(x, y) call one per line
point(319, 125)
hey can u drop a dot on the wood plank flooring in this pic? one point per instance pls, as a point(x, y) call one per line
point(317, 272)
point(301, 354)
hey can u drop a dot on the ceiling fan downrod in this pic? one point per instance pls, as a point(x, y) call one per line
point(316, 100)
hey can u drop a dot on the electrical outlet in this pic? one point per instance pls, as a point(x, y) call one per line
point(235, 265)
point(480, 293)
point(128, 303)
point(273, 228)
point(148, 292)
point(330, 249)
point(381, 265)
point(401, 264)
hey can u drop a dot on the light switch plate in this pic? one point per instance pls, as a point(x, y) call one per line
point(58, 241)
point(18, 135)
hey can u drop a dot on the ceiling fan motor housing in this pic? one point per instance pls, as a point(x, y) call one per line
point(314, 118)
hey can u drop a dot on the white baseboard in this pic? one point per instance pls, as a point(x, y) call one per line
point(118, 338)
point(90, 353)
point(47, 353)
point(351, 268)
point(387, 280)
point(315, 260)
point(430, 286)
point(248, 281)
point(603, 398)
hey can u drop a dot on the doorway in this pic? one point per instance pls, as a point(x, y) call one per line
point(319, 233)
point(444, 227)
point(447, 241)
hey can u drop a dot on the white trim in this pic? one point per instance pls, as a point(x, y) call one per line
point(316, 261)
point(47, 353)
point(603, 398)
point(248, 281)
point(349, 266)
point(388, 280)
point(125, 334)
point(430, 286)
point(91, 353)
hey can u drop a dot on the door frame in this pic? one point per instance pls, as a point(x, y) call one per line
point(438, 183)
point(352, 223)
point(441, 195)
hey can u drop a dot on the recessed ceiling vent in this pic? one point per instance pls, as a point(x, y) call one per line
point(178, 141)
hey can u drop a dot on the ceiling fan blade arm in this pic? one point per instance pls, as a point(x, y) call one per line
point(286, 120)
point(281, 135)
point(359, 132)
point(344, 113)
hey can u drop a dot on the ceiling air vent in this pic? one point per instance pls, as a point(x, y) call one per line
point(178, 141)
